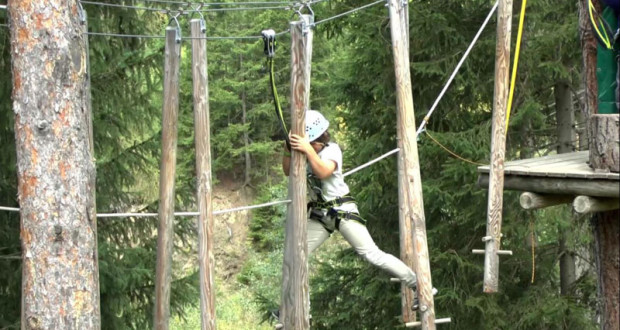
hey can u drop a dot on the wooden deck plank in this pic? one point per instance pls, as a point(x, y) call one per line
point(570, 165)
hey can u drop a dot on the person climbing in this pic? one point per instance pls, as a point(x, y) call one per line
point(331, 206)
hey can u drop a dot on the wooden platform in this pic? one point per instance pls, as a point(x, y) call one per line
point(566, 174)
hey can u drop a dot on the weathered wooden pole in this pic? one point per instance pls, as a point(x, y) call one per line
point(405, 227)
point(165, 232)
point(88, 110)
point(206, 260)
point(294, 309)
point(55, 168)
point(498, 148)
point(411, 205)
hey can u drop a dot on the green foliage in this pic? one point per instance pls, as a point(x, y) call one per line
point(353, 83)
point(10, 250)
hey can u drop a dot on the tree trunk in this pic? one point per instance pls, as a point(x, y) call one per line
point(604, 224)
point(588, 52)
point(606, 238)
point(604, 149)
point(246, 137)
point(566, 134)
point(56, 173)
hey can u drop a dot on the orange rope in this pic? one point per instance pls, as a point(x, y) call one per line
point(450, 152)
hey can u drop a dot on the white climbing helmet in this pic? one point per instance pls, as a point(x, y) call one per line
point(316, 124)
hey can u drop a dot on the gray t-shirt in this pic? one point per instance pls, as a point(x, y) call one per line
point(333, 186)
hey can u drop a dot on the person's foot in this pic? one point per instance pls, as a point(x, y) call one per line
point(416, 303)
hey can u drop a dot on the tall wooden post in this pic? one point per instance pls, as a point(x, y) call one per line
point(165, 232)
point(410, 183)
point(294, 309)
point(498, 148)
point(206, 260)
point(405, 228)
point(88, 110)
point(55, 168)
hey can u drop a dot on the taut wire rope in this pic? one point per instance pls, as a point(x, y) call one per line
point(439, 97)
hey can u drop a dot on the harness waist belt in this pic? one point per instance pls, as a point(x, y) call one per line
point(332, 203)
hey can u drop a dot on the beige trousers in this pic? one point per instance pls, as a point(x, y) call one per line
point(359, 238)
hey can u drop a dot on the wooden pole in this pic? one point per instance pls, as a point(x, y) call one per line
point(498, 147)
point(165, 232)
point(548, 185)
point(410, 184)
point(532, 201)
point(587, 204)
point(206, 259)
point(405, 227)
point(294, 309)
point(92, 182)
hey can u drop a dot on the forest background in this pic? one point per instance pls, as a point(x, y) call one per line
point(353, 84)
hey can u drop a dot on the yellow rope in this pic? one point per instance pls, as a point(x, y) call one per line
point(602, 36)
point(452, 153)
point(516, 63)
point(533, 251)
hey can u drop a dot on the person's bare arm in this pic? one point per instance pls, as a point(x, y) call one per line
point(321, 168)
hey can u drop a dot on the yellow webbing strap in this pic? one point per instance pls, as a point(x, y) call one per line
point(515, 64)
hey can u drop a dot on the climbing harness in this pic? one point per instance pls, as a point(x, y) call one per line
point(269, 38)
point(326, 213)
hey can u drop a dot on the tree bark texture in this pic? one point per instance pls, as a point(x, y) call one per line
point(588, 53)
point(204, 191)
point(295, 304)
point(604, 142)
point(606, 238)
point(405, 227)
point(565, 119)
point(165, 231)
point(56, 174)
point(568, 186)
point(498, 148)
point(411, 205)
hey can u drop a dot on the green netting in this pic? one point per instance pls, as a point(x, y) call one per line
point(606, 69)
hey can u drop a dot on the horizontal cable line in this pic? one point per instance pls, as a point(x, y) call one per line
point(241, 3)
point(246, 37)
point(124, 35)
point(179, 214)
point(239, 9)
point(223, 3)
point(184, 38)
point(347, 12)
point(182, 11)
point(115, 5)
